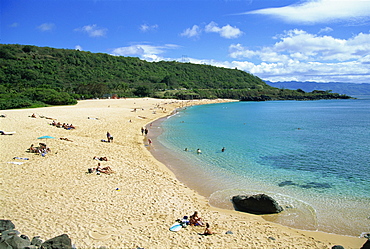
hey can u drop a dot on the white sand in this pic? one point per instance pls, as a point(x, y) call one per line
point(51, 195)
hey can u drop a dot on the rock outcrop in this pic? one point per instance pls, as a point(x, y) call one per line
point(256, 204)
point(10, 239)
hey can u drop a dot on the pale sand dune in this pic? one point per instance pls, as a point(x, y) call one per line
point(52, 195)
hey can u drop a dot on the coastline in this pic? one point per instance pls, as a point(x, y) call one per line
point(51, 195)
point(214, 178)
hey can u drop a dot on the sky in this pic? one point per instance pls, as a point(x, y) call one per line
point(276, 40)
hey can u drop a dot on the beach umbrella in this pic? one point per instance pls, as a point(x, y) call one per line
point(45, 137)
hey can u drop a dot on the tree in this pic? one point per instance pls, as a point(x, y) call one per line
point(142, 91)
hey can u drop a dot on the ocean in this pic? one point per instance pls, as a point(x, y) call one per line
point(313, 157)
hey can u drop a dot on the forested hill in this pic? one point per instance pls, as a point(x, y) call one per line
point(33, 76)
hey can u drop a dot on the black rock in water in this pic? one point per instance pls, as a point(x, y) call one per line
point(256, 204)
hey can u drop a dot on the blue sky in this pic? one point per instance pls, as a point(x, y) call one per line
point(276, 40)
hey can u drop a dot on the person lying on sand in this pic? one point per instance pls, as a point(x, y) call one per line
point(68, 126)
point(64, 138)
point(32, 149)
point(100, 158)
point(105, 170)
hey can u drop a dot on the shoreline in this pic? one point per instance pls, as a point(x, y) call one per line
point(51, 195)
point(190, 171)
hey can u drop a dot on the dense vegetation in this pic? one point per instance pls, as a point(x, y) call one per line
point(33, 76)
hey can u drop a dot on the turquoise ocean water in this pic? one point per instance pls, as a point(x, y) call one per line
point(313, 157)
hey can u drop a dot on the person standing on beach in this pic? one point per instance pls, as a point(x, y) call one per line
point(146, 131)
point(142, 131)
point(109, 137)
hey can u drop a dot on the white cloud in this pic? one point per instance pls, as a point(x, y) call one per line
point(301, 56)
point(298, 44)
point(129, 51)
point(238, 51)
point(325, 30)
point(191, 32)
point(146, 28)
point(144, 51)
point(93, 30)
point(293, 70)
point(78, 47)
point(319, 11)
point(46, 27)
point(226, 31)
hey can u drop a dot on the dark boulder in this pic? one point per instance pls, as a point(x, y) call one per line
point(60, 242)
point(366, 245)
point(36, 241)
point(256, 204)
point(337, 247)
point(6, 225)
point(18, 242)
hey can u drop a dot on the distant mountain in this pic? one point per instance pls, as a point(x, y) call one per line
point(336, 87)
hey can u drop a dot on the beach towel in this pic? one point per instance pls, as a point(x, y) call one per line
point(7, 132)
point(22, 158)
point(17, 163)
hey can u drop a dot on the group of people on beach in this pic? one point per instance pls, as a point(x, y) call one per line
point(64, 125)
point(195, 220)
point(56, 124)
point(100, 168)
point(42, 149)
point(144, 131)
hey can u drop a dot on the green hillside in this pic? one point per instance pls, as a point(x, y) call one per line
point(33, 76)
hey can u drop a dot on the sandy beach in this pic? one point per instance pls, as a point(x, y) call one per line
point(133, 207)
